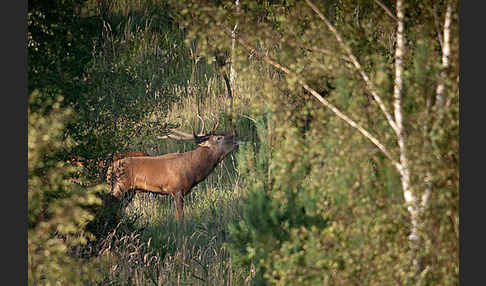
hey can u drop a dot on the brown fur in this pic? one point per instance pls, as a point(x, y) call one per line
point(119, 156)
point(174, 174)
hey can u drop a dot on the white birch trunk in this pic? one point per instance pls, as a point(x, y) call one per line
point(446, 50)
point(404, 168)
point(415, 203)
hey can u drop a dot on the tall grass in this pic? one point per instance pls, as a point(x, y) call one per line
point(160, 250)
point(150, 247)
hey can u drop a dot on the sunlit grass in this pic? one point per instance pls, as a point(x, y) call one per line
point(164, 251)
point(150, 246)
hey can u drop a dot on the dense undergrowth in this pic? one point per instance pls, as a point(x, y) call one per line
point(305, 200)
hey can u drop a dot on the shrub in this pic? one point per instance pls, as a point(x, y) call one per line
point(57, 206)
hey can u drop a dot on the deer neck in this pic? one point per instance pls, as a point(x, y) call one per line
point(204, 160)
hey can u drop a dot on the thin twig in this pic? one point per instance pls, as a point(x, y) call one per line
point(326, 103)
point(387, 11)
point(369, 83)
point(433, 10)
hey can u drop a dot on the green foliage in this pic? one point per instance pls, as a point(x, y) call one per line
point(57, 207)
point(119, 65)
point(314, 161)
point(272, 209)
point(58, 40)
point(129, 82)
point(320, 204)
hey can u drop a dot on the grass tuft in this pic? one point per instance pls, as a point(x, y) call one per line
point(163, 251)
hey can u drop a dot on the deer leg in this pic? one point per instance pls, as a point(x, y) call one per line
point(123, 194)
point(179, 204)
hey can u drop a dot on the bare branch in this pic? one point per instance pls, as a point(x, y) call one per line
point(387, 11)
point(326, 103)
point(433, 11)
point(369, 83)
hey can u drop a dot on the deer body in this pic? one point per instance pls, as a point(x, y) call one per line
point(175, 174)
point(119, 156)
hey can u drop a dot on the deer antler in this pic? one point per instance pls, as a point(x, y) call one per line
point(200, 133)
point(177, 135)
point(198, 138)
point(215, 126)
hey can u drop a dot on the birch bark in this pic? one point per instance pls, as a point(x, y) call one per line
point(404, 168)
point(439, 94)
point(415, 203)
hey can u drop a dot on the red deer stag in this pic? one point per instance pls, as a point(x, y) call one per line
point(119, 156)
point(102, 166)
point(176, 173)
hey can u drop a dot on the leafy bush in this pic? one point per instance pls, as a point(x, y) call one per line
point(57, 206)
point(335, 153)
point(272, 210)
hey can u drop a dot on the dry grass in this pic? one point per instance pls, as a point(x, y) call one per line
point(162, 251)
point(150, 247)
